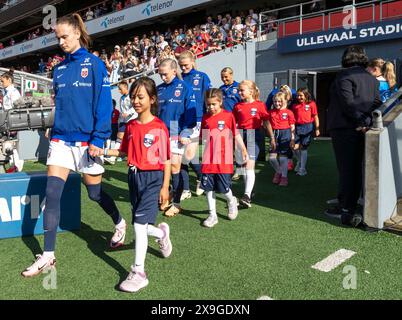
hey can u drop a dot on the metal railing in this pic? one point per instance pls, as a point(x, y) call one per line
point(44, 84)
point(265, 15)
point(10, 4)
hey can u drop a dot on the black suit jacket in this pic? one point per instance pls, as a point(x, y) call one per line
point(354, 94)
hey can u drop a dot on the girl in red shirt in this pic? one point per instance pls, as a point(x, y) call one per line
point(283, 124)
point(218, 131)
point(251, 116)
point(146, 144)
point(306, 116)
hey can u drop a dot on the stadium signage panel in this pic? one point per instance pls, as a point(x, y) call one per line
point(22, 201)
point(340, 37)
point(111, 21)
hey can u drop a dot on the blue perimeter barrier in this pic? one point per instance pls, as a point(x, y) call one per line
point(22, 199)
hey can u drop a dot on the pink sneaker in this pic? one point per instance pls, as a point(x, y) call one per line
point(165, 244)
point(284, 182)
point(277, 178)
point(119, 235)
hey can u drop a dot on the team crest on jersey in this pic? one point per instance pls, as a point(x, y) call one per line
point(177, 93)
point(234, 91)
point(221, 125)
point(84, 72)
point(307, 107)
point(284, 116)
point(196, 82)
point(149, 140)
point(253, 112)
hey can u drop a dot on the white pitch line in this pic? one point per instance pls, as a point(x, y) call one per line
point(334, 260)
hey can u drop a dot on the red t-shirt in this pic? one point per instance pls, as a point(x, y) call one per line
point(146, 145)
point(250, 115)
point(305, 112)
point(219, 131)
point(115, 116)
point(281, 119)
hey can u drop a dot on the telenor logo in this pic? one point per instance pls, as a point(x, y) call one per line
point(147, 10)
point(151, 8)
point(109, 21)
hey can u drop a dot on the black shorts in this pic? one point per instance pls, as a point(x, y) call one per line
point(218, 182)
point(283, 138)
point(144, 188)
point(304, 133)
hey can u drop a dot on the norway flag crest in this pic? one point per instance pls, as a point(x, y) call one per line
point(84, 72)
point(177, 93)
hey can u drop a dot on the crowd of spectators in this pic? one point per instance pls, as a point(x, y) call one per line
point(142, 54)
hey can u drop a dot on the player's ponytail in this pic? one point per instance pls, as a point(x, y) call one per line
point(76, 21)
point(388, 72)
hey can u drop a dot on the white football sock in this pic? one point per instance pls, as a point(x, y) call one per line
point(108, 143)
point(303, 159)
point(250, 182)
point(229, 196)
point(283, 166)
point(155, 231)
point(141, 245)
point(48, 254)
point(211, 203)
point(274, 163)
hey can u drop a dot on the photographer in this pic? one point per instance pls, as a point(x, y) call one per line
point(11, 94)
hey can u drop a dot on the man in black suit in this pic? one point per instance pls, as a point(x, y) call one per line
point(354, 95)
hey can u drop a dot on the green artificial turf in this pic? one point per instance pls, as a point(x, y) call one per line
point(267, 251)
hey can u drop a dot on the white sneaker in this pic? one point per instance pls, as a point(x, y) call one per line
point(165, 244)
point(41, 264)
point(186, 194)
point(134, 282)
point(198, 190)
point(333, 201)
point(232, 209)
point(119, 235)
point(110, 160)
point(301, 172)
point(210, 221)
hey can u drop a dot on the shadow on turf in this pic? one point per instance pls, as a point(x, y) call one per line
point(98, 242)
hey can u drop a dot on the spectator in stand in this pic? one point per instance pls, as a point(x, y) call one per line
point(119, 6)
point(214, 32)
point(251, 32)
point(12, 42)
point(230, 40)
point(97, 12)
point(168, 35)
point(219, 20)
point(226, 25)
point(238, 26)
point(103, 9)
point(162, 43)
point(42, 66)
point(89, 15)
point(167, 53)
point(1, 45)
point(253, 15)
point(136, 47)
point(205, 37)
point(152, 59)
point(210, 23)
point(197, 48)
point(145, 47)
point(181, 48)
